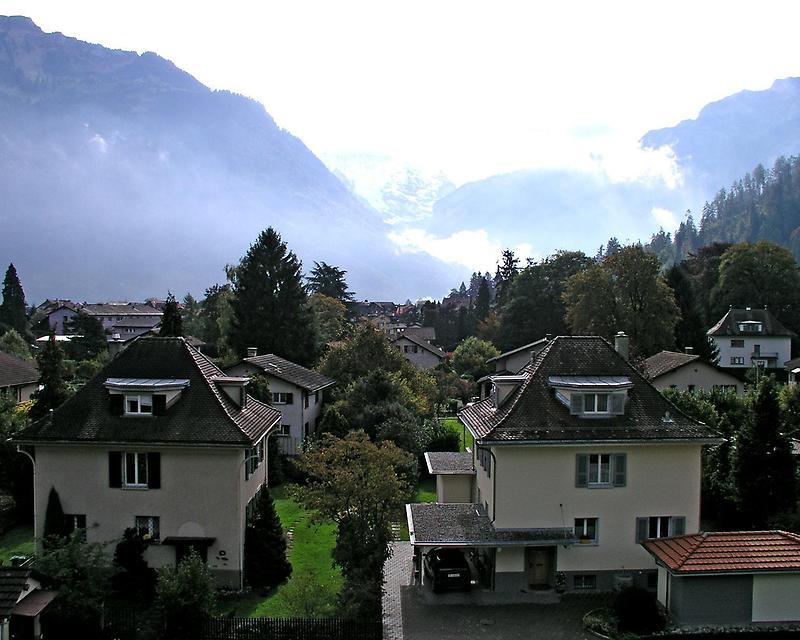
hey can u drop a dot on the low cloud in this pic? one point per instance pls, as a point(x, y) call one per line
point(473, 249)
point(665, 218)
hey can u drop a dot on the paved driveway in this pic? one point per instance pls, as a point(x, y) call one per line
point(412, 614)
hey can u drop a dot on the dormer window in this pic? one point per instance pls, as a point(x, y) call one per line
point(139, 405)
point(595, 403)
point(592, 396)
point(751, 326)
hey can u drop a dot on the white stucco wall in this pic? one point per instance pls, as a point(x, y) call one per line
point(776, 598)
point(422, 359)
point(202, 494)
point(699, 374)
point(453, 488)
point(769, 344)
point(536, 488)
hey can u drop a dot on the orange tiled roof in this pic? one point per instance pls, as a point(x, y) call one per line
point(728, 551)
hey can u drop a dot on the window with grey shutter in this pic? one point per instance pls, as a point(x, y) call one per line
point(581, 470)
point(116, 404)
point(642, 525)
point(159, 404)
point(620, 469)
point(678, 525)
point(115, 469)
point(153, 470)
point(576, 404)
point(617, 404)
point(289, 398)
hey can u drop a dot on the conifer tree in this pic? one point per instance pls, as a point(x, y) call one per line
point(269, 302)
point(55, 529)
point(51, 377)
point(12, 310)
point(171, 321)
point(482, 301)
point(328, 280)
point(762, 466)
point(265, 563)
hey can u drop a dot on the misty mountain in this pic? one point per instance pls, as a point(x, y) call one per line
point(731, 136)
point(123, 176)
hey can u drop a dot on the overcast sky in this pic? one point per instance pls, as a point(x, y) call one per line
point(472, 88)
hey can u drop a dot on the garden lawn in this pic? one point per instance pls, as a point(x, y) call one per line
point(426, 490)
point(464, 436)
point(16, 542)
point(313, 576)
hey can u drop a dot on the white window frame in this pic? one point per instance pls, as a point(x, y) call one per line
point(584, 582)
point(280, 397)
point(660, 522)
point(598, 481)
point(140, 399)
point(595, 403)
point(136, 482)
point(285, 430)
point(737, 359)
point(582, 527)
point(151, 526)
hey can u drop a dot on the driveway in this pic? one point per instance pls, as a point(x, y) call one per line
point(411, 613)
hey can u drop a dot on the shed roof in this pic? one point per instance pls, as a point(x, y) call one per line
point(449, 463)
point(728, 552)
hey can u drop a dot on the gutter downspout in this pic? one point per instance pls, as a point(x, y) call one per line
point(494, 485)
point(33, 463)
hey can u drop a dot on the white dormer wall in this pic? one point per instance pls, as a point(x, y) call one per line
point(504, 386)
point(173, 395)
point(235, 390)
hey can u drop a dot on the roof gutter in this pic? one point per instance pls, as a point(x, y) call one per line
point(593, 442)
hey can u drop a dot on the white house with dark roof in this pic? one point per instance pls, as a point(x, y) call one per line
point(161, 441)
point(19, 378)
point(751, 337)
point(577, 459)
point(418, 351)
point(509, 363)
point(687, 372)
point(297, 392)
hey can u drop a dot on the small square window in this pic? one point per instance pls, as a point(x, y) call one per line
point(139, 405)
point(148, 527)
point(585, 581)
point(586, 530)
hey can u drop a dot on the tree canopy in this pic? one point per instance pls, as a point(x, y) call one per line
point(172, 320)
point(13, 312)
point(471, 355)
point(328, 280)
point(269, 302)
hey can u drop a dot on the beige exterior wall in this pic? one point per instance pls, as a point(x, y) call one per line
point(422, 359)
point(776, 598)
point(699, 374)
point(202, 494)
point(509, 560)
point(296, 415)
point(536, 488)
point(453, 488)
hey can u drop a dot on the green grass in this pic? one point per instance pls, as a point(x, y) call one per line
point(315, 582)
point(16, 542)
point(426, 490)
point(465, 438)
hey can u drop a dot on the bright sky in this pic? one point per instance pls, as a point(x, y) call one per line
point(471, 88)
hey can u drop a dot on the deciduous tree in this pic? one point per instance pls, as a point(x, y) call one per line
point(469, 358)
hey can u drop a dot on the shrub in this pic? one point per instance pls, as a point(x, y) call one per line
point(637, 611)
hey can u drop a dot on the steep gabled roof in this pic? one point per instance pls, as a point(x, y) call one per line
point(15, 371)
point(665, 362)
point(729, 324)
point(525, 347)
point(532, 413)
point(13, 581)
point(290, 372)
point(203, 415)
point(728, 552)
point(423, 344)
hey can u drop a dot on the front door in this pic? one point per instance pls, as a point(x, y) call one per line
point(540, 561)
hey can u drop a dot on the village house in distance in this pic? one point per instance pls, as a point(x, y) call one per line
point(161, 440)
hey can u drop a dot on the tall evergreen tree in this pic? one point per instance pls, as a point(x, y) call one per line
point(192, 324)
point(507, 271)
point(690, 331)
point(89, 338)
point(55, 526)
point(265, 563)
point(762, 467)
point(51, 377)
point(13, 313)
point(269, 302)
point(171, 321)
point(328, 280)
point(482, 301)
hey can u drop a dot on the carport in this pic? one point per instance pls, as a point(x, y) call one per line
point(467, 526)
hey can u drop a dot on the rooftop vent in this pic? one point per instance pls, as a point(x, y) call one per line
point(252, 352)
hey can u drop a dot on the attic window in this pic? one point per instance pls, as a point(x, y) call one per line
point(595, 403)
point(141, 404)
point(750, 326)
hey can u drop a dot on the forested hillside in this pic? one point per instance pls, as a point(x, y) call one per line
point(763, 205)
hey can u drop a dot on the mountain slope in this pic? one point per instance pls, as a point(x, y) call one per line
point(729, 137)
point(123, 176)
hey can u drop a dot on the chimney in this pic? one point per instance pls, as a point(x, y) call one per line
point(548, 336)
point(252, 352)
point(621, 344)
point(689, 350)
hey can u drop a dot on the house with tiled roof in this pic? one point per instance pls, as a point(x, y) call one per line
point(751, 337)
point(577, 459)
point(19, 378)
point(297, 392)
point(509, 363)
point(729, 578)
point(687, 372)
point(163, 441)
point(418, 351)
point(22, 600)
